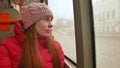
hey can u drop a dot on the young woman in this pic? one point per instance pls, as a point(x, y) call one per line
point(34, 47)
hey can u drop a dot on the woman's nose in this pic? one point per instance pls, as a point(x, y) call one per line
point(50, 25)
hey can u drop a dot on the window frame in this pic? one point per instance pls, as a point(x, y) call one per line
point(84, 31)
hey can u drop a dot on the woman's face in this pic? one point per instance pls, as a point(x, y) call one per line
point(44, 27)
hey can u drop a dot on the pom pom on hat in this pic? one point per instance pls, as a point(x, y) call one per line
point(34, 12)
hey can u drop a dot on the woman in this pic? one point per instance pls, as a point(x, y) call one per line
point(34, 47)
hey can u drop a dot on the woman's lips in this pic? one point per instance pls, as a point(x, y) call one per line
point(49, 31)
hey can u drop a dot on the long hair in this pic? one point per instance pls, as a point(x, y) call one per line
point(31, 57)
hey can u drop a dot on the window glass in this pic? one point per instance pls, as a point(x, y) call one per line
point(107, 33)
point(63, 29)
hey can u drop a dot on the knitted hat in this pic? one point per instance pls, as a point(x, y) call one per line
point(34, 12)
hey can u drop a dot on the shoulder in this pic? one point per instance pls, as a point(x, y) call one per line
point(11, 45)
point(57, 44)
point(9, 42)
point(9, 38)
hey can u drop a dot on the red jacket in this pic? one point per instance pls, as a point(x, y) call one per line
point(10, 51)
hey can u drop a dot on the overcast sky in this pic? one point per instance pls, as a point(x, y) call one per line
point(62, 8)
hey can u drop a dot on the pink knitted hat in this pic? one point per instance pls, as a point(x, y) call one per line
point(34, 12)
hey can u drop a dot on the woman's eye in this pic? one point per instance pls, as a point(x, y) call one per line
point(47, 19)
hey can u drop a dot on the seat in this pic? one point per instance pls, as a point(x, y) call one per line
point(8, 17)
